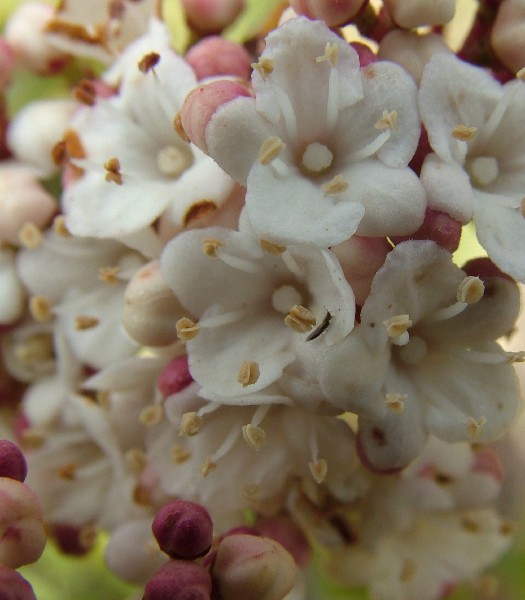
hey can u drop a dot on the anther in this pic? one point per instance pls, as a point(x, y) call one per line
point(40, 309)
point(515, 357)
point(113, 174)
point(264, 67)
point(152, 415)
point(68, 472)
point(335, 186)
point(300, 319)
point(270, 149)
point(397, 325)
point(208, 466)
point(30, 236)
point(463, 133)
point(179, 129)
point(388, 120)
point(508, 528)
point(190, 425)
point(108, 274)
point(396, 402)
point(59, 154)
point(318, 469)
point(85, 92)
point(83, 322)
point(148, 62)
point(210, 246)
point(470, 525)
point(273, 249)
point(179, 454)
point(474, 426)
point(521, 74)
point(136, 459)
point(59, 226)
point(248, 373)
point(186, 329)
point(254, 436)
point(330, 54)
point(470, 290)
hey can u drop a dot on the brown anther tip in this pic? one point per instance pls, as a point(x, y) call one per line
point(59, 226)
point(68, 472)
point(148, 62)
point(113, 173)
point(179, 129)
point(85, 92)
point(59, 154)
point(108, 274)
point(83, 322)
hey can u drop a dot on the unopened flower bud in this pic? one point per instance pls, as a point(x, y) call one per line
point(12, 461)
point(487, 461)
point(22, 535)
point(416, 13)
point(333, 13)
point(215, 56)
point(72, 539)
point(211, 16)
point(151, 309)
point(13, 586)
point(253, 567)
point(202, 103)
point(508, 34)
point(179, 580)
point(175, 376)
point(283, 530)
point(438, 227)
point(183, 529)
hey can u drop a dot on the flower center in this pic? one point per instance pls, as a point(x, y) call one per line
point(413, 352)
point(483, 170)
point(284, 298)
point(316, 158)
point(173, 161)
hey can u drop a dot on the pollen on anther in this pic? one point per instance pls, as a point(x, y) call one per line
point(470, 290)
point(190, 424)
point(336, 185)
point(85, 92)
point(40, 309)
point(254, 436)
point(521, 74)
point(207, 466)
point(330, 54)
point(152, 415)
point(83, 322)
point(68, 472)
point(270, 149)
point(271, 249)
point(300, 319)
point(59, 226)
point(186, 329)
point(318, 469)
point(388, 120)
point(30, 236)
point(397, 325)
point(396, 402)
point(113, 174)
point(474, 426)
point(136, 459)
point(248, 373)
point(252, 492)
point(148, 62)
point(464, 133)
point(210, 246)
point(108, 274)
point(179, 454)
point(264, 67)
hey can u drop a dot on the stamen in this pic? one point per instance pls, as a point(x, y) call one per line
point(152, 415)
point(207, 466)
point(248, 373)
point(68, 472)
point(248, 266)
point(332, 104)
point(388, 120)
point(30, 236)
point(226, 318)
point(464, 133)
point(270, 149)
point(470, 290)
point(113, 174)
point(259, 414)
point(336, 185)
point(210, 246)
point(474, 426)
point(396, 402)
point(508, 528)
point(447, 312)
point(179, 129)
point(40, 309)
point(371, 148)
point(108, 274)
point(264, 67)
point(83, 322)
point(515, 357)
point(136, 459)
point(186, 329)
point(470, 525)
point(254, 436)
point(497, 115)
point(300, 319)
point(287, 110)
point(190, 424)
point(275, 249)
point(521, 74)
point(330, 54)
point(397, 325)
point(252, 492)
point(179, 454)
point(59, 226)
point(85, 92)
point(318, 469)
point(148, 62)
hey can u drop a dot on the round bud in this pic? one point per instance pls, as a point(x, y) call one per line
point(214, 56)
point(333, 12)
point(175, 376)
point(13, 586)
point(183, 529)
point(211, 16)
point(12, 461)
point(179, 580)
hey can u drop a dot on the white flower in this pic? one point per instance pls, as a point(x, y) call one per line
point(255, 307)
point(324, 146)
point(424, 357)
point(133, 163)
point(475, 127)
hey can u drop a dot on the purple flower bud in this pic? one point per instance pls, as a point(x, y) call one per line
point(183, 529)
point(13, 586)
point(175, 376)
point(12, 461)
point(179, 580)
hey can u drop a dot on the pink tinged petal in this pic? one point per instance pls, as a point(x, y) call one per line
point(394, 200)
point(201, 105)
point(501, 231)
point(214, 56)
point(453, 93)
point(448, 188)
point(438, 227)
point(293, 210)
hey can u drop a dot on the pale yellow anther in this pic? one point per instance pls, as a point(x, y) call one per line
point(397, 325)
point(136, 459)
point(474, 426)
point(396, 402)
point(83, 322)
point(108, 274)
point(186, 329)
point(32, 437)
point(522, 207)
point(508, 528)
point(336, 185)
point(179, 454)
point(330, 54)
point(151, 415)
point(264, 67)
point(210, 246)
point(207, 466)
point(41, 309)
point(104, 399)
point(252, 492)
point(463, 133)
point(318, 469)
point(271, 249)
point(254, 436)
point(35, 348)
point(270, 149)
point(190, 424)
point(300, 319)
point(59, 226)
point(388, 120)
point(248, 373)
point(68, 472)
point(470, 525)
point(30, 236)
point(470, 290)
point(515, 357)
point(408, 571)
point(521, 74)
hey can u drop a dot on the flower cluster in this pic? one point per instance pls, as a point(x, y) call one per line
point(233, 327)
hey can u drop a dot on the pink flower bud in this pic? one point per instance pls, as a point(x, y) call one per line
point(13, 586)
point(416, 13)
point(183, 529)
point(179, 580)
point(151, 309)
point(12, 461)
point(283, 530)
point(214, 56)
point(438, 227)
point(366, 56)
point(333, 12)
point(211, 16)
point(175, 376)
point(508, 34)
point(72, 539)
point(22, 535)
point(201, 104)
point(253, 567)
point(487, 461)
point(485, 269)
